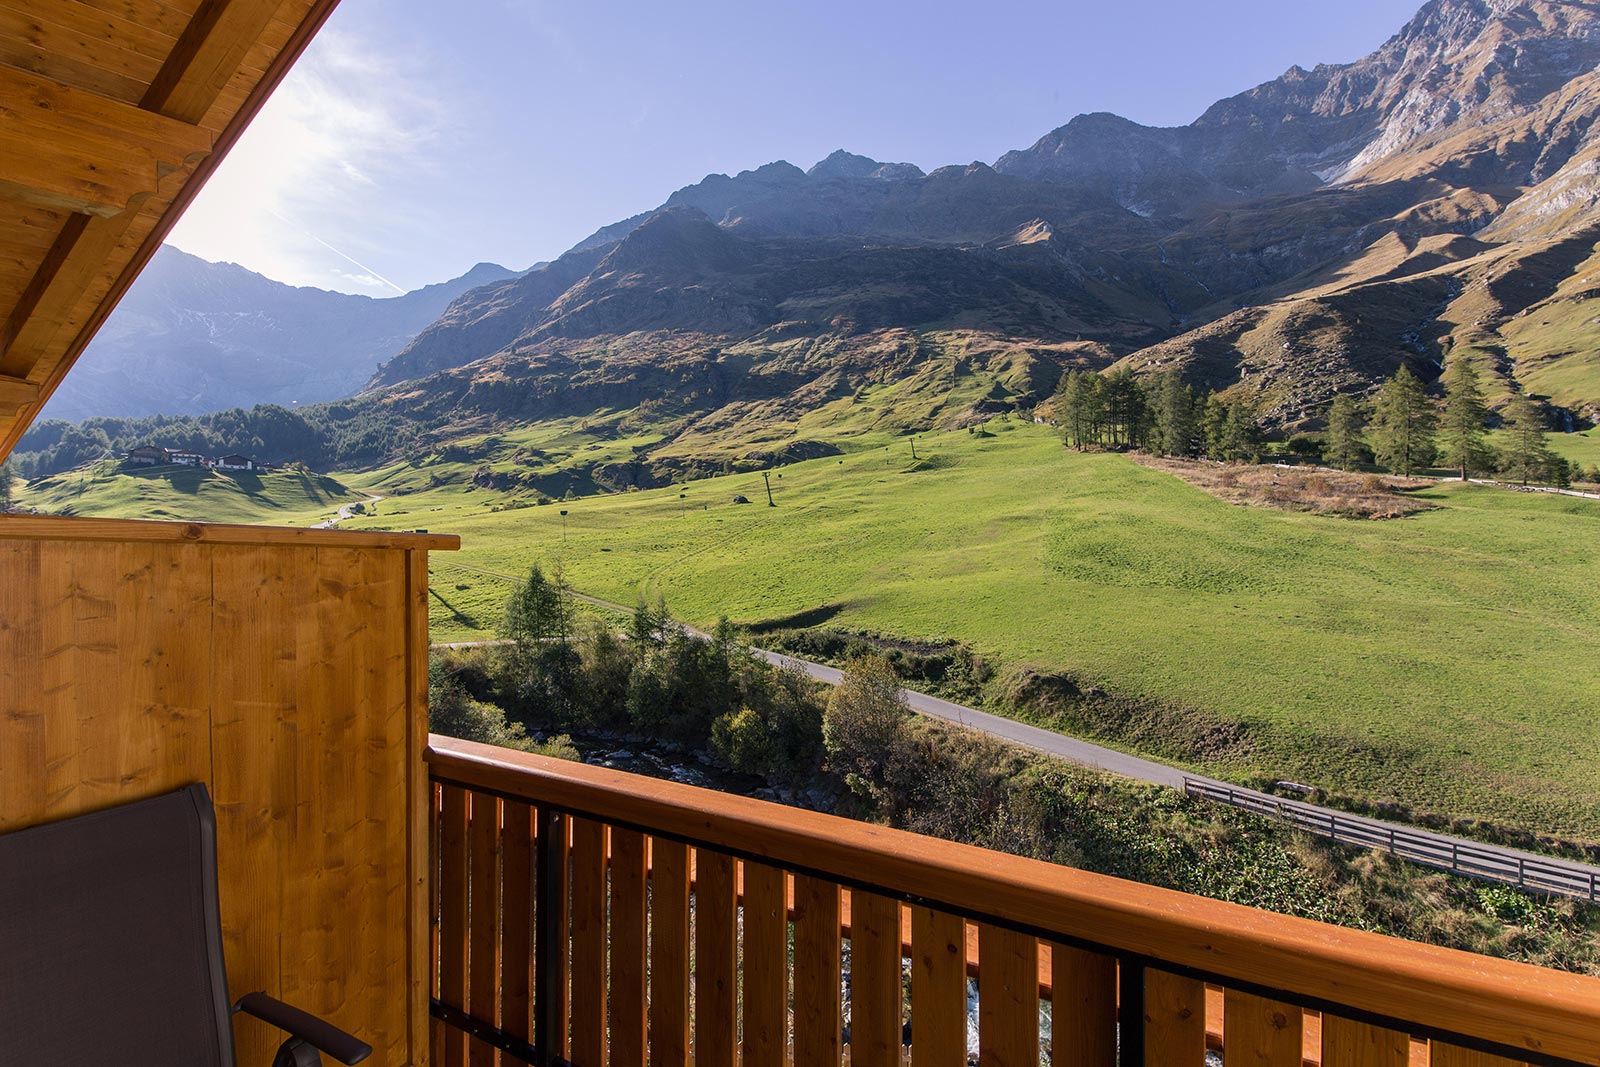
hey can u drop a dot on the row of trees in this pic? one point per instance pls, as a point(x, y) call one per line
point(1406, 430)
point(1402, 428)
point(562, 670)
point(1163, 415)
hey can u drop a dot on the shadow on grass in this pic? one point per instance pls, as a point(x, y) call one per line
point(799, 620)
point(465, 620)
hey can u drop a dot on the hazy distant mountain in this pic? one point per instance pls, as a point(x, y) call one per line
point(193, 336)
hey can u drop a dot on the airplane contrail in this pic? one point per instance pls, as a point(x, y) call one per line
point(335, 251)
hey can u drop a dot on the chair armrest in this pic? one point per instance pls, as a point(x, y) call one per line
point(346, 1048)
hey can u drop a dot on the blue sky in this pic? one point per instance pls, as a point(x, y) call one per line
point(418, 137)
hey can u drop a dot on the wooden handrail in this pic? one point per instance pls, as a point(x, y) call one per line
point(73, 528)
point(1543, 1011)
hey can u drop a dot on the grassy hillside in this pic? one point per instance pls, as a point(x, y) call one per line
point(1438, 659)
point(268, 498)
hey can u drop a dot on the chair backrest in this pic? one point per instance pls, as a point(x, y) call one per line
point(110, 940)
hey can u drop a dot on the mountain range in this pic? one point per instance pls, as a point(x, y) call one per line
point(1436, 200)
point(193, 336)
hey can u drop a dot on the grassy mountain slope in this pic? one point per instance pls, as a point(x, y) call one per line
point(1428, 659)
point(269, 498)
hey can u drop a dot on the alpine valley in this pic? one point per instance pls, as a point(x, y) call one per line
point(1437, 200)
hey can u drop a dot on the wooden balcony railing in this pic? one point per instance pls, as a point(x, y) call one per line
point(592, 917)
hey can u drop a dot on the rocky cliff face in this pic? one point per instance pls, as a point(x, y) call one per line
point(1436, 200)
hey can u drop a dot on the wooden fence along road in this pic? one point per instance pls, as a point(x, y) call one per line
point(1471, 859)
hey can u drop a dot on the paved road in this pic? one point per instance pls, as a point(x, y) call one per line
point(1488, 862)
point(345, 511)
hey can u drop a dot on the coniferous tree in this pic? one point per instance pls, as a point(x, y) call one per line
point(7, 477)
point(1461, 429)
point(539, 621)
point(1176, 423)
point(1093, 401)
point(1214, 426)
point(1126, 409)
point(1402, 424)
point(1344, 432)
point(1527, 455)
point(1241, 434)
point(1070, 411)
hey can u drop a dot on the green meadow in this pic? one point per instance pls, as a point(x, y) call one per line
point(1444, 660)
point(265, 498)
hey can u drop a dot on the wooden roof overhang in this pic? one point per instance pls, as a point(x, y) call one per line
point(113, 113)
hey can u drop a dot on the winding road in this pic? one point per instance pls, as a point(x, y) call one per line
point(1495, 863)
point(345, 511)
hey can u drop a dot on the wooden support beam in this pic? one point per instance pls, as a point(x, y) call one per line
point(14, 392)
point(71, 150)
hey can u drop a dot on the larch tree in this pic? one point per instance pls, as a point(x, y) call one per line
point(1462, 436)
point(1177, 423)
point(1344, 432)
point(1402, 424)
point(1527, 455)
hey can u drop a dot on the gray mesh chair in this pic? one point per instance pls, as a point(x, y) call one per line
point(111, 946)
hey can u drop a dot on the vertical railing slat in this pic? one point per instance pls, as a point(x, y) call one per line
point(629, 902)
point(938, 989)
point(587, 964)
point(669, 954)
point(1347, 1043)
point(1083, 1008)
point(766, 966)
point(516, 948)
point(483, 963)
point(1174, 1020)
point(716, 1039)
point(817, 1009)
point(1008, 998)
point(875, 1001)
point(453, 916)
point(1257, 1032)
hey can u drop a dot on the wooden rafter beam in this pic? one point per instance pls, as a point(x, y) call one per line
point(72, 150)
point(200, 66)
point(15, 392)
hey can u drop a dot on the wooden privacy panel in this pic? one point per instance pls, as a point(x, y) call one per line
point(288, 675)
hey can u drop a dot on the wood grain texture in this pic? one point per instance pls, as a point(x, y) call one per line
point(1441, 1055)
point(669, 954)
point(119, 90)
point(766, 966)
point(453, 904)
point(875, 980)
point(1174, 1020)
point(817, 1009)
point(588, 960)
point(938, 989)
point(1347, 1043)
point(1257, 1032)
point(279, 676)
point(716, 934)
point(1008, 998)
point(1083, 1008)
point(629, 942)
point(483, 925)
point(128, 531)
point(1492, 999)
